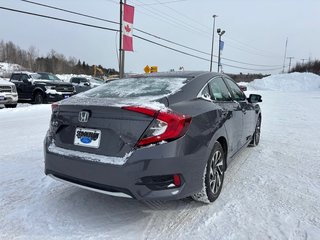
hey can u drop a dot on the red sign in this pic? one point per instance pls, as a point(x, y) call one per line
point(127, 26)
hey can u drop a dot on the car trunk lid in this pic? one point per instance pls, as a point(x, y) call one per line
point(118, 128)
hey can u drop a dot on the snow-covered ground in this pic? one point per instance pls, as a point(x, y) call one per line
point(270, 192)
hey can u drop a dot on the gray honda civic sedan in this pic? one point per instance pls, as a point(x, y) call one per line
point(157, 136)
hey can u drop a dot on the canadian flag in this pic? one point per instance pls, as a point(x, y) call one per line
point(127, 25)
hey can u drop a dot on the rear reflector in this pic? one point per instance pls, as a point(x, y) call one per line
point(176, 180)
point(166, 126)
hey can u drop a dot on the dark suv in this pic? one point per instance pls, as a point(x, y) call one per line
point(41, 87)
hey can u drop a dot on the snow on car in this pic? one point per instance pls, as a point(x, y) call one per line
point(270, 192)
point(8, 94)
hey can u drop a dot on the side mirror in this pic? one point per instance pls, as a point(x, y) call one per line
point(254, 98)
point(86, 84)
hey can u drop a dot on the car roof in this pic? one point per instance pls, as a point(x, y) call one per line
point(23, 72)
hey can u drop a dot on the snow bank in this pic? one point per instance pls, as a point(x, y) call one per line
point(292, 82)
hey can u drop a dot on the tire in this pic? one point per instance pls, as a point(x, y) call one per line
point(213, 176)
point(38, 98)
point(10, 105)
point(256, 136)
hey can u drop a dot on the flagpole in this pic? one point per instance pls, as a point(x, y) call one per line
point(121, 56)
point(123, 52)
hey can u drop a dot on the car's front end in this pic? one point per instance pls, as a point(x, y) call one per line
point(53, 88)
point(58, 91)
point(8, 94)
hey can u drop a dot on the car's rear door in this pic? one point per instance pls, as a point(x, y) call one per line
point(221, 95)
point(249, 117)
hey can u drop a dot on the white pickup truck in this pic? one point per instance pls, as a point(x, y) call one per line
point(8, 94)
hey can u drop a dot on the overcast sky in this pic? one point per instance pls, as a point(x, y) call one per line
point(256, 31)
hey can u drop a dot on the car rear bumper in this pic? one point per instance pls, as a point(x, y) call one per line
point(126, 179)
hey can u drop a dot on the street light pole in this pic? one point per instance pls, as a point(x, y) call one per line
point(220, 33)
point(214, 25)
point(290, 58)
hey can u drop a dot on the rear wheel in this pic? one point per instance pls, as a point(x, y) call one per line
point(256, 136)
point(10, 105)
point(213, 176)
point(38, 98)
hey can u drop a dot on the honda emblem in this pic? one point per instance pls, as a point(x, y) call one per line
point(83, 116)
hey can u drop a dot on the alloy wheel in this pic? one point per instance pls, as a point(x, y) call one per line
point(257, 132)
point(216, 172)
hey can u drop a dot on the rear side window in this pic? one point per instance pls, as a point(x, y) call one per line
point(219, 90)
point(138, 87)
point(15, 77)
point(236, 91)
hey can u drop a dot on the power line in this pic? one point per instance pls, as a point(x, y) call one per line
point(204, 32)
point(205, 59)
point(147, 33)
point(59, 19)
point(116, 30)
point(186, 17)
point(68, 11)
point(172, 20)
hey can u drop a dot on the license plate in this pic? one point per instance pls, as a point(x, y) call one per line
point(66, 96)
point(87, 137)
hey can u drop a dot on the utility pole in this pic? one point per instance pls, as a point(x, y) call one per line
point(214, 24)
point(285, 56)
point(121, 52)
point(303, 59)
point(290, 58)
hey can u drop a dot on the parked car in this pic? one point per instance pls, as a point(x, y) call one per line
point(157, 136)
point(96, 82)
point(8, 94)
point(41, 87)
point(83, 84)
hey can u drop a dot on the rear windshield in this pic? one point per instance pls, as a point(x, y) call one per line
point(137, 87)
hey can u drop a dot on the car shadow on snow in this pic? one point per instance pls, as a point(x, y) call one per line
point(69, 203)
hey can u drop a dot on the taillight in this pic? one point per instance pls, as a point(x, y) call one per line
point(54, 106)
point(166, 126)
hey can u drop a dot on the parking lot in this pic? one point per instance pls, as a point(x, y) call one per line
point(271, 191)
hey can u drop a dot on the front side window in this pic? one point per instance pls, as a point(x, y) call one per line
point(236, 91)
point(24, 77)
point(219, 90)
point(75, 80)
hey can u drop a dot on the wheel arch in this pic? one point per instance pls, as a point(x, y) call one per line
point(38, 90)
